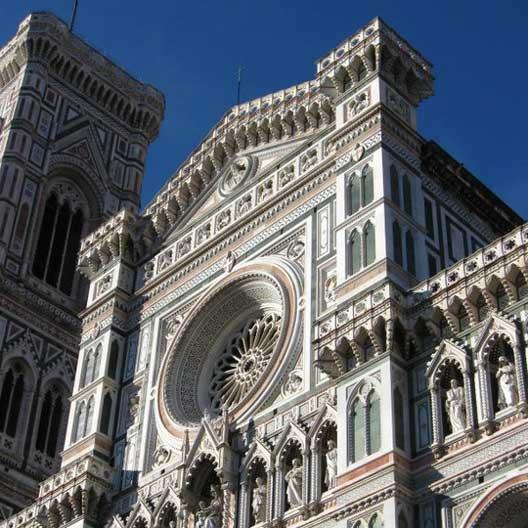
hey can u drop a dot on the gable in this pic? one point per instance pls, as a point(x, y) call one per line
point(231, 183)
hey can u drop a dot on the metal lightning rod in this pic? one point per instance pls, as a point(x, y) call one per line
point(74, 15)
point(239, 82)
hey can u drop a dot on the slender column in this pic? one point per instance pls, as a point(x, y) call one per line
point(306, 477)
point(244, 504)
point(484, 392)
point(229, 506)
point(436, 416)
point(470, 416)
point(316, 460)
point(278, 493)
point(519, 372)
point(270, 475)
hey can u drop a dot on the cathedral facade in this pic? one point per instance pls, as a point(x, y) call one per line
point(320, 320)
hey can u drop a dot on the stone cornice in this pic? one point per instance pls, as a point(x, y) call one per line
point(510, 247)
point(43, 38)
point(54, 321)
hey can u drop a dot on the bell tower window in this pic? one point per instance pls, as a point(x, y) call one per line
point(59, 240)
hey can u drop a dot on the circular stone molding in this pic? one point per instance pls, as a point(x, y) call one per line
point(237, 173)
point(234, 347)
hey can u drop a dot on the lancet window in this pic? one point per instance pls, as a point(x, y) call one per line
point(360, 189)
point(364, 431)
point(106, 414)
point(91, 366)
point(362, 247)
point(397, 243)
point(83, 419)
point(12, 399)
point(51, 420)
point(59, 239)
point(401, 190)
point(113, 360)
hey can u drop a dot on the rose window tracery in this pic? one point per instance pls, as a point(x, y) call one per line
point(235, 347)
point(244, 360)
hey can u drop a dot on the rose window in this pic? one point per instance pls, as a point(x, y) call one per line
point(243, 361)
point(234, 348)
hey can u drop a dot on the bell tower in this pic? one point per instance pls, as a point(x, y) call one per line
point(74, 134)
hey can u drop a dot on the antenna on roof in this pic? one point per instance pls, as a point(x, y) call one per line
point(239, 82)
point(73, 15)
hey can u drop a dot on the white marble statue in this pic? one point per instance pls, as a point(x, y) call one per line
point(331, 465)
point(210, 516)
point(508, 396)
point(456, 407)
point(258, 502)
point(294, 479)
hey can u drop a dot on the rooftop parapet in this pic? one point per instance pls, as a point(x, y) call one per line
point(44, 38)
point(378, 47)
point(503, 250)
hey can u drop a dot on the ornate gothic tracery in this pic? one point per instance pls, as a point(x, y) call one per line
point(243, 361)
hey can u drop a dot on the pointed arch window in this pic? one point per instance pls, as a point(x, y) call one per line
point(91, 365)
point(395, 185)
point(360, 189)
point(402, 521)
point(409, 248)
point(369, 237)
point(23, 216)
point(50, 422)
point(357, 426)
point(58, 244)
point(106, 414)
point(355, 194)
point(11, 401)
point(399, 422)
point(113, 360)
point(373, 423)
point(367, 185)
point(375, 521)
point(89, 416)
point(407, 195)
point(355, 252)
point(83, 419)
point(397, 242)
point(80, 422)
point(364, 427)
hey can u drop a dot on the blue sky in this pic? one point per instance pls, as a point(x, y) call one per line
point(191, 50)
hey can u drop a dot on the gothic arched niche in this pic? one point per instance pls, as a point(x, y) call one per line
point(253, 330)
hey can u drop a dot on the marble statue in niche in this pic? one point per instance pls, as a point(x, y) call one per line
point(331, 464)
point(506, 379)
point(210, 516)
point(258, 502)
point(294, 479)
point(456, 407)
